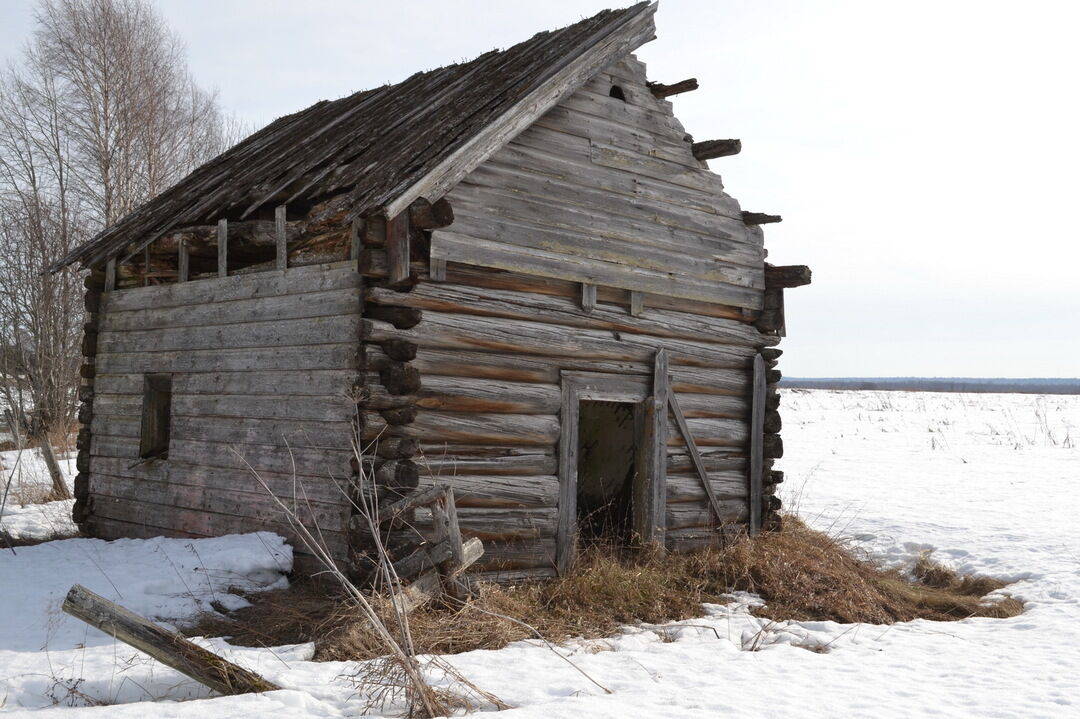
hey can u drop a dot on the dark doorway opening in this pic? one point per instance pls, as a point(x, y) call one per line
point(606, 467)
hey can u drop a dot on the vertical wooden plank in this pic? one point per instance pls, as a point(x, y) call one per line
point(566, 531)
point(397, 248)
point(223, 248)
point(656, 525)
point(588, 297)
point(757, 432)
point(183, 262)
point(146, 266)
point(637, 303)
point(110, 275)
point(279, 237)
point(695, 455)
point(356, 233)
point(437, 269)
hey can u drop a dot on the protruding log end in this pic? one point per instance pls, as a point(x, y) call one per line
point(710, 149)
point(660, 90)
point(426, 215)
point(760, 218)
point(787, 276)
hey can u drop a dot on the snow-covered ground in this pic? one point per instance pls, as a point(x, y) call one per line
point(982, 480)
point(25, 481)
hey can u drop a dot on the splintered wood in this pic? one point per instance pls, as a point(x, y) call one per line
point(440, 562)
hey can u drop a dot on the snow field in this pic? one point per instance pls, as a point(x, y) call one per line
point(984, 481)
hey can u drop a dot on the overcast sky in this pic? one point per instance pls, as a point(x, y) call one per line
point(925, 155)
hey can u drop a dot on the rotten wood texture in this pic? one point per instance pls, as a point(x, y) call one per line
point(168, 647)
point(398, 248)
point(222, 248)
point(711, 149)
point(785, 276)
point(661, 91)
point(280, 238)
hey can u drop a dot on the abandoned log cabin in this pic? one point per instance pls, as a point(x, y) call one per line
point(516, 277)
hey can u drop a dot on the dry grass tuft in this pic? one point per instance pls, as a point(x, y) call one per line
point(802, 575)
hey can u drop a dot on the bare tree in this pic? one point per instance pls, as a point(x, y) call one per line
point(100, 115)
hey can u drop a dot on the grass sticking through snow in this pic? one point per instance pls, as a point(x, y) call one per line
point(801, 574)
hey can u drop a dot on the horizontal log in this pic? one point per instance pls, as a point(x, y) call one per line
point(293, 383)
point(688, 487)
point(463, 428)
point(326, 303)
point(460, 394)
point(332, 408)
point(306, 332)
point(760, 218)
point(332, 489)
point(566, 312)
point(255, 505)
point(294, 281)
point(242, 430)
point(342, 356)
point(688, 515)
point(498, 492)
point(457, 332)
point(517, 556)
point(711, 149)
point(173, 521)
point(787, 276)
point(660, 90)
point(450, 460)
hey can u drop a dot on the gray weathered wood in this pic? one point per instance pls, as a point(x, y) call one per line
point(637, 303)
point(397, 247)
point(223, 247)
point(711, 149)
point(695, 456)
point(183, 261)
point(110, 274)
point(437, 269)
point(59, 486)
point(630, 33)
point(166, 646)
point(661, 90)
point(757, 421)
point(280, 239)
point(588, 297)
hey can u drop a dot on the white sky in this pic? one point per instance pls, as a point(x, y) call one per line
point(924, 155)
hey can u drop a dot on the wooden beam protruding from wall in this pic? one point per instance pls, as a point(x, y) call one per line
point(710, 149)
point(223, 248)
point(660, 90)
point(786, 276)
point(760, 218)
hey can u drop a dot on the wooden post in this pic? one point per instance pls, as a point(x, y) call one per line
point(588, 297)
point(437, 269)
point(110, 275)
point(656, 524)
point(183, 262)
point(356, 235)
point(146, 266)
point(60, 488)
point(223, 248)
point(397, 248)
point(757, 430)
point(167, 647)
point(637, 303)
point(279, 237)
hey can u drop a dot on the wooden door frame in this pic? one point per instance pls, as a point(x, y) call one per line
point(609, 387)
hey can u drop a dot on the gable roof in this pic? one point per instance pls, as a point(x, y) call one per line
point(390, 145)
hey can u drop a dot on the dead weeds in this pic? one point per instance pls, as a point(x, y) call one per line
point(802, 574)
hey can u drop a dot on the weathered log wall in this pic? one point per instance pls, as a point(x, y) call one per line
point(608, 192)
point(262, 368)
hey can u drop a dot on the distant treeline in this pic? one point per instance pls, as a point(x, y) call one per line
point(938, 384)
